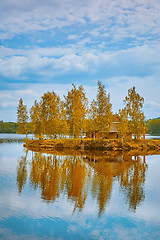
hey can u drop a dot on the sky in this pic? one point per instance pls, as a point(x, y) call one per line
point(52, 44)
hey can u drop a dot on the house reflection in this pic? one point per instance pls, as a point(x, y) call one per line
point(79, 176)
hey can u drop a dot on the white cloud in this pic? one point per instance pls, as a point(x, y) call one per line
point(12, 66)
point(145, 86)
point(137, 60)
point(9, 98)
point(120, 18)
point(153, 103)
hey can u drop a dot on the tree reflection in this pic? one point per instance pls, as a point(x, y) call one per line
point(22, 172)
point(132, 182)
point(102, 184)
point(76, 183)
point(131, 175)
point(45, 173)
point(76, 176)
point(57, 174)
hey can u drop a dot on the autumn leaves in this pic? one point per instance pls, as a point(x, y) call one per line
point(51, 117)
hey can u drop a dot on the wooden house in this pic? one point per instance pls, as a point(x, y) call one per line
point(112, 134)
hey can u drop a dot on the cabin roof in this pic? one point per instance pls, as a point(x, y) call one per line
point(114, 127)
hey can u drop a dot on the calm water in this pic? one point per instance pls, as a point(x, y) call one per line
point(89, 196)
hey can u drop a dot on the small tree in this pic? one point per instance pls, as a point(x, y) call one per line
point(63, 126)
point(123, 125)
point(104, 116)
point(22, 118)
point(133, 105)
point(50, 115)
point(93, 120)
point(36, 121)
point(76, 110)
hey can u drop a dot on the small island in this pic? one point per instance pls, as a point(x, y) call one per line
point(134, 147)
point(75, 124)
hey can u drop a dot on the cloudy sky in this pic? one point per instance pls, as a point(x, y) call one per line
point(48, 45)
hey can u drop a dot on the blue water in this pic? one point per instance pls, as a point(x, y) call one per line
point(46, 196)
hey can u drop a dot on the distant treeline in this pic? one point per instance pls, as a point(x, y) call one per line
point(153, 126)
point(8, 127)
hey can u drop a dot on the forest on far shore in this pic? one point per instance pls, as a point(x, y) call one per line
point(8, 127)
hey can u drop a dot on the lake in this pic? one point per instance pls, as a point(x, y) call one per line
point(77, 196)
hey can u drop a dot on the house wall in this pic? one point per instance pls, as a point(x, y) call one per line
point(99, 135)
point(111, 135)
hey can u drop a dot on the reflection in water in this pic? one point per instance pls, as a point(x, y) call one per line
point(22, 172)
point(77, 176)
point(102, 183)
point(132, 182)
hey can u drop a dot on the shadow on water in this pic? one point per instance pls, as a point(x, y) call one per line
point(81, 175)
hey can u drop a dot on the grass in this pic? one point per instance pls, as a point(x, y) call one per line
point(91, 144)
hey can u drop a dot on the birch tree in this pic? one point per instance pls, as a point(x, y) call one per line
point(22, 118)
point(104, 117)
point(123, 125)
point(93, 123)
point(134, 107)
point(63, 125)
point(76, 110)
point(50, 102)
point(36, 120)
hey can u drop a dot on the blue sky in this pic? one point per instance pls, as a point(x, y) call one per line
point(48, 45)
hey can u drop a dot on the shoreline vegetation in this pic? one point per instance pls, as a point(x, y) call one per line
point(134, 146)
